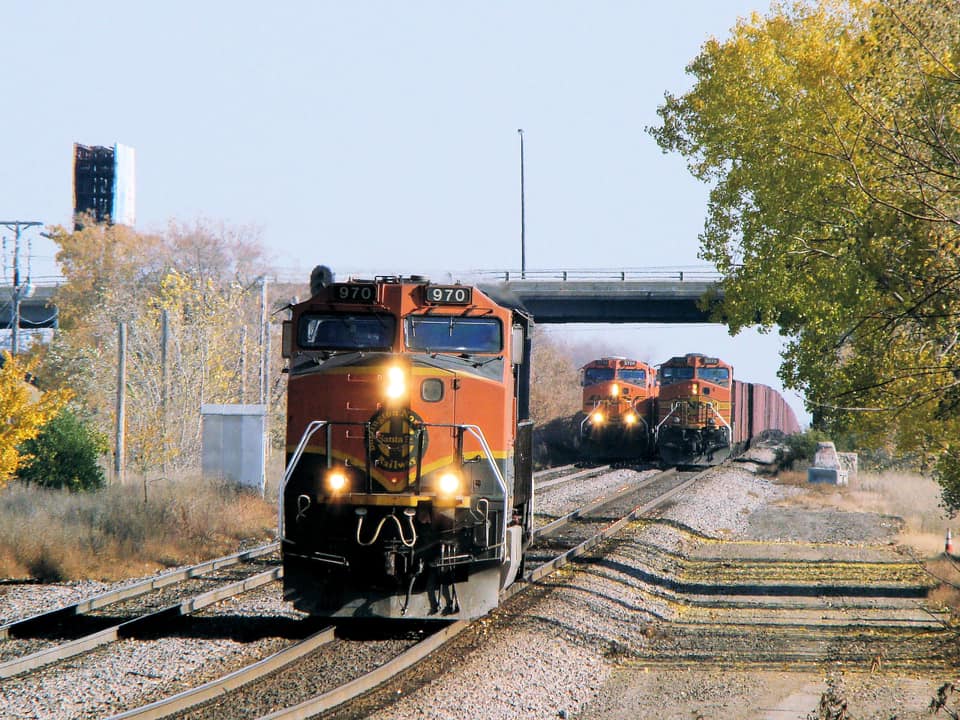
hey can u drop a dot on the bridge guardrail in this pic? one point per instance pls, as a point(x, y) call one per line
point(679, 274)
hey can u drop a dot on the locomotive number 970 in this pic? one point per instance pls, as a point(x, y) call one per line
point(448, 295)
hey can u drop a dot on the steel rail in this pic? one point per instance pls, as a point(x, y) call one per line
point(215, 688)
point(356, 688)
point(555, 525)
point(608, 532)
point(136, 589)
point(129, 627)
point(589, 472)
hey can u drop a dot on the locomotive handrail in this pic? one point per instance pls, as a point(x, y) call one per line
point(294, 459)
point(584, 422)
point(656, 430)
point(472, 429)
point(478, 434)
point(725, 423)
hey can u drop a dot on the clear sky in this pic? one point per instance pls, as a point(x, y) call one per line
point(379, 136)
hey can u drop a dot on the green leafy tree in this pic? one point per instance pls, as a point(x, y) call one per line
point(830, 132)
point(64, 455)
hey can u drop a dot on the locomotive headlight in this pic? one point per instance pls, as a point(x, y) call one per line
point(614, 390)
point(693, 388)
point(396, 383)
point(449, 484)
point(336, 480)
point(630, 418)
point(597, 417)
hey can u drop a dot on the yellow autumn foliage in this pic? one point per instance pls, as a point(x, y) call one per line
point(24, 410)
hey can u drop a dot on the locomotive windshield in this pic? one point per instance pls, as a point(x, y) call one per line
point(592, 376)
point(670, 375)
point(454, 334)
point(719, 375)
point(638, 377)
point(346, 331)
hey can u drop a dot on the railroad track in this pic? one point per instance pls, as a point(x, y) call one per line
point(156, 607)
point(732, 605)
point(562, 475)
point(383, 658)
point(135, 609)
point(141, 607)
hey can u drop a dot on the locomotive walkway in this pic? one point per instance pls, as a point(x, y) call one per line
point(608, 296)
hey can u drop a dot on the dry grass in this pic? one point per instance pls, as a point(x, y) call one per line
point(912, 497)
point(112, 534)
point(947, 570)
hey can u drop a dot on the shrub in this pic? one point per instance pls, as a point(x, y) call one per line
point(64, 455)
point(803, 446)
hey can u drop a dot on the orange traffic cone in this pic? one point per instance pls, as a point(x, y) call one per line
point(948, 546)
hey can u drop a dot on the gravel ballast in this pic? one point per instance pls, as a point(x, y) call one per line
point(564, 649)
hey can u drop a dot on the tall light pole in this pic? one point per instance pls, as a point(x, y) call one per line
point(523, 219)
point(18, 290)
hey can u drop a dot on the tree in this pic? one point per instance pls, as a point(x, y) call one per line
point(831, 133)
point(24, 410)
point(555, 390)
point(64, 455)
point(204, 280)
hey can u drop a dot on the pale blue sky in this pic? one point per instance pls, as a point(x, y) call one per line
point(379, 136)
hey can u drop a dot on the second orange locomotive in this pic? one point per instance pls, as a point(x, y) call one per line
point(694, 410)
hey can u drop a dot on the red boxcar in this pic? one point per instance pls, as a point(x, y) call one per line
point(757, 408)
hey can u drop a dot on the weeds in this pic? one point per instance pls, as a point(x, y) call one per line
point(54, 535)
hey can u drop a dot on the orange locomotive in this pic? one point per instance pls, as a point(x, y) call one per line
point(694, 410)
point(618, 407)
point(408, 490)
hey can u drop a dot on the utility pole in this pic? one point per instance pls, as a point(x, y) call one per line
point(18, 291)
point(264, 372)
point(119, 461)
point(523, 221)
point(164, 383)
point(243, 363)
point(264, 360)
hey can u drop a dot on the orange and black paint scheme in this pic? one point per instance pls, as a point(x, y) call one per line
point(618, 408)
point(408, 491)
point(694, 410)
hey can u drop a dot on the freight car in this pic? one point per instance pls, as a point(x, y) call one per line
point(704, 414)
point(408, 491)
point(757, 408)
point(618, 408)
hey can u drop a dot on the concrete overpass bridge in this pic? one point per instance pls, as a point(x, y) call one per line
point(551, 296)
point(36, 310)
point(608, 296)
point(38, 317)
